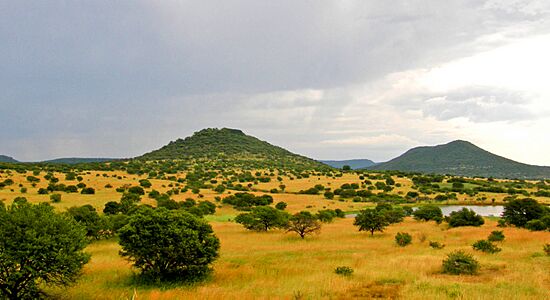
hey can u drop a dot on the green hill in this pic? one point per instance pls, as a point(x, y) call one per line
point(7, 159)
point(353, 163)
point(464, 159)
point(230, 147)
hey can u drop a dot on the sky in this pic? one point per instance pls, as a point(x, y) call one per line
point(326, 79)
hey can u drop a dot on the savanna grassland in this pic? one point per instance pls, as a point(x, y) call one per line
point(275, 264)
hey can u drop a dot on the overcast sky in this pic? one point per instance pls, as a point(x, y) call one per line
point(326, 79)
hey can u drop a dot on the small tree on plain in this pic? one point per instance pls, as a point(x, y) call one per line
point(371, 220)
point(263, 218)
point(304, 223)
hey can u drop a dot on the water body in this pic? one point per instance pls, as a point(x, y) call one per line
point(485, 211)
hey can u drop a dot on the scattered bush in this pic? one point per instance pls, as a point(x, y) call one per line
point(428, 213)
point(486, 246)
point(55, 198)
point(436, 245)
point(459, 262)
point(496, 236)
point(465, 217)
point(344, 271)
point(88, 191)
point(536, 225)
point(281, 205)
point(403, 239)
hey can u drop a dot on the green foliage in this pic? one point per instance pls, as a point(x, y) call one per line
point(546, 249)
point(459, 262)
point(329, 195)
point(465, 217)
point(486, 246)
point(87, 191)
point(145, 183)
point(436, 245)
point(344, 271)
point(281, 205)
point(87, 216)
point(371, 220)
point(169, 245)
point(496, 236)
point(55, 198)
point(38, 247)
point(536, 225)
point(403, 239)
point(326, 215)
point(428, 213)
point(245, 201)
point(518, 212)
point(263, 218)
point(303, 223)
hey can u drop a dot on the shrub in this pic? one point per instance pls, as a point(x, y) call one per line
point(88, 191)
point(428, 213)
point(458, 263)
point(535, 225)
point(546, 249)
point(281, 205)
point(436, 245)
point(168, 245)
point(326, 215)
point(344, 271)
point(403, 239)
point(55, 198)
point(486, 246)
point(263, 218)
point(49, 245)
point(496, 236)
point(465, 217)
point(519, 212)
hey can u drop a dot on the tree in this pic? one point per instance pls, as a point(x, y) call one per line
point(304, 223)
point(428, 213)
point(89, 218)
point(263, 218)
point(465, 217)
point(371, 220)
point(38, 247)
point(281, 205)
point(518, 212)
point(168, 245)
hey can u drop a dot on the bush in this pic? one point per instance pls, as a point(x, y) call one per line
point(519, 212)
point(263, 218)
point(88, 191)
point(49, 245)
point(344, 271)
point(281, 205)
point(55, 198)
point(465, 217)
point(403, 239)
point(496, 236)
point(428, 213)
point(486, 246)
point(168, 245)
point(535, 225)
point(436, 245)
point(546, 249)
point(326, 215)
point(458, 263)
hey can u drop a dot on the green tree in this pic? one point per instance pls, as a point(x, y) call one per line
point(263, 218)
point(38, 247)
point(371, 220)
point(518, 212)
point(89, 218)
point(168, 245)
point(304, 223)
point(428, 213)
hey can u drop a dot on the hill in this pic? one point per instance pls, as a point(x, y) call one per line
point(77, 160)
point(464, 159)
point(353, 163)
point(230, 147)
point(7, 159)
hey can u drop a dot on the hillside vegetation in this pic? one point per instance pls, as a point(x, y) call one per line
point(7, 159)
point(230, 146)
point(464, 159)
point(353, 163)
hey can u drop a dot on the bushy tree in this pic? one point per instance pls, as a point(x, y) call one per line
point(281, 205)
point(38, 247)
point(304, 223)
point(428, 213)
point(486, 246)
point(371, 220)
point(459, 262)
point(465, 217)
point(90, 219)
point(168, 245)
point(263, 218)
point(403, 239)
point(520, 211)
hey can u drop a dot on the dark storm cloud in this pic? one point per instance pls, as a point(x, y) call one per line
point(117, 78)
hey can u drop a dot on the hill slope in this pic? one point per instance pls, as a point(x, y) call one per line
point(230, 147)
point(7, 159)
point(464, 159)
point(353, 163)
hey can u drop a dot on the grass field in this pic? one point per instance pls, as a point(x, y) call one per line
point(278, 265)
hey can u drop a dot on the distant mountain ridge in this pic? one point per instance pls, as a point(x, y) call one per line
point(78, 160)
point(464, 159)
point(230, 146)
point(353, 163)
point(7, 159)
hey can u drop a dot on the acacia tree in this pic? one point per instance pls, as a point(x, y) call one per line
point(263, 218)
point(304, 223)
point(168, 245)
point(38, 246)
point(371, 220)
